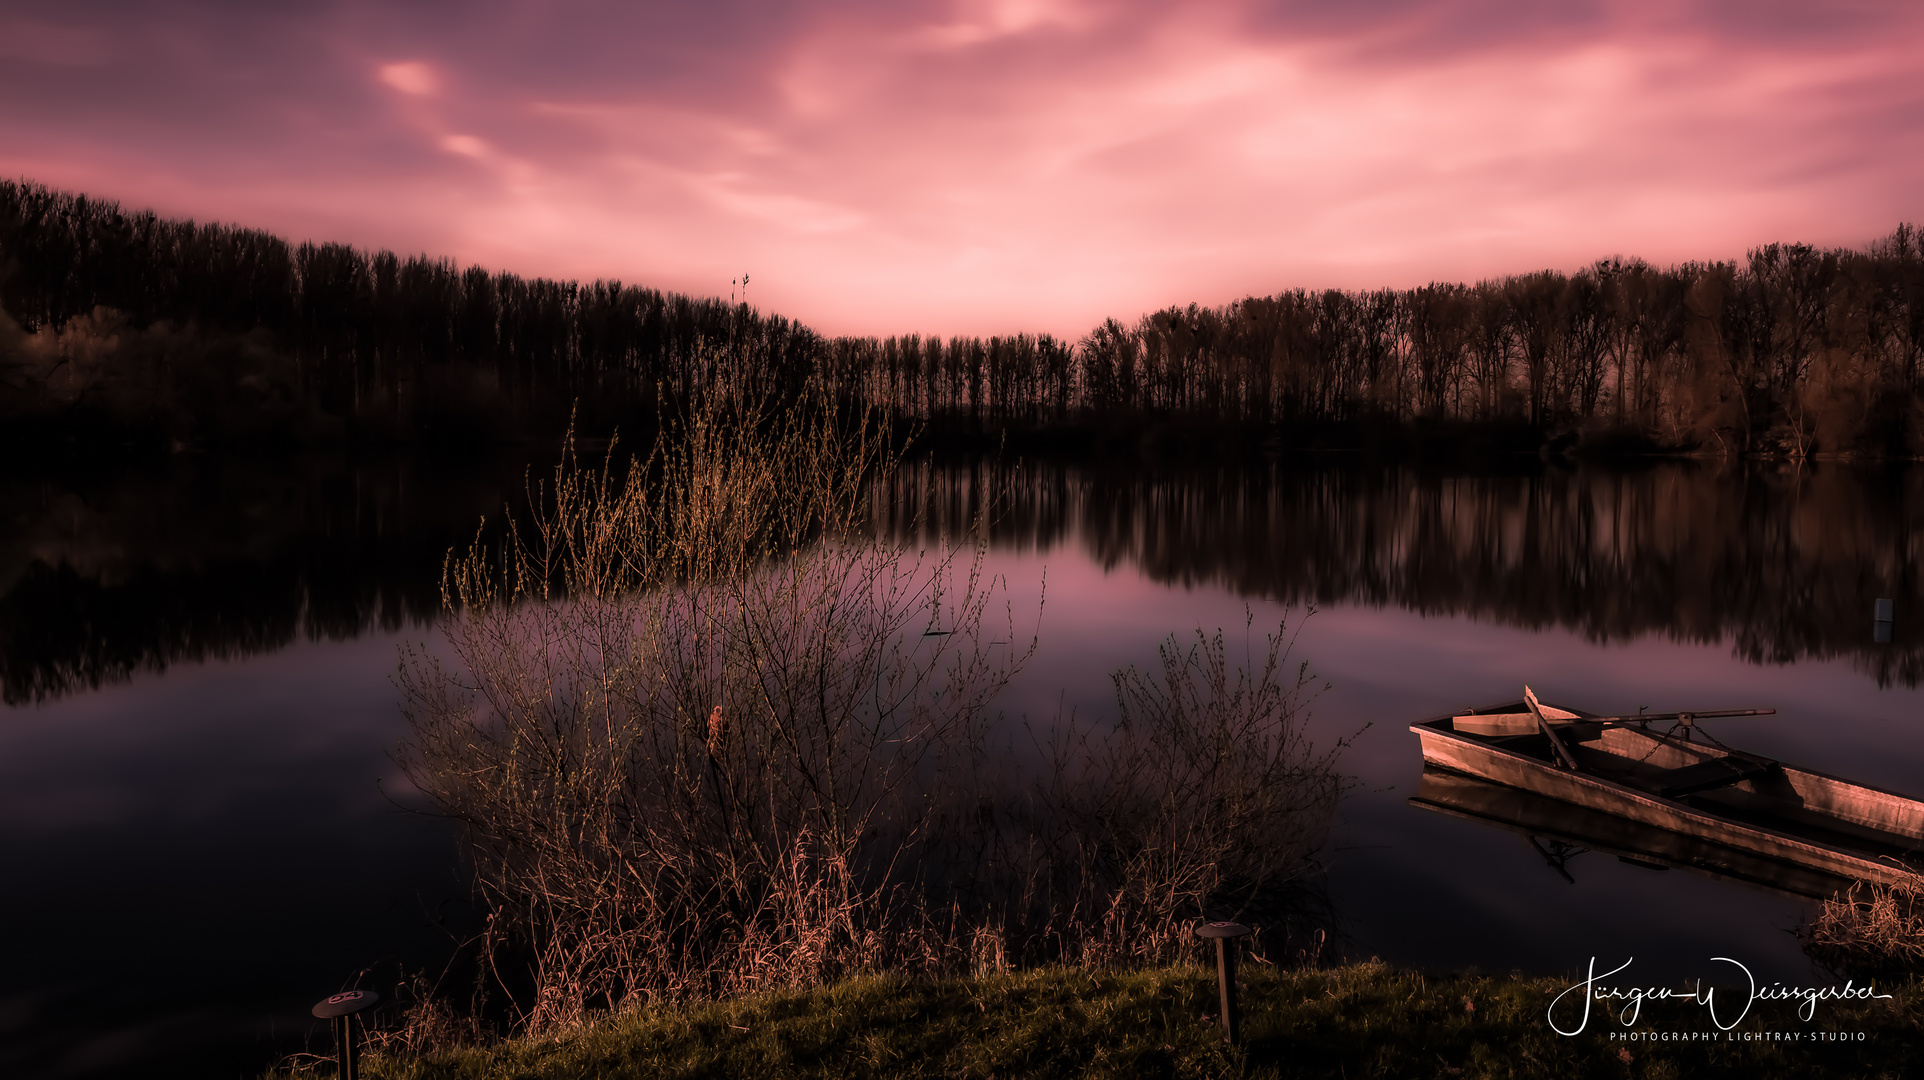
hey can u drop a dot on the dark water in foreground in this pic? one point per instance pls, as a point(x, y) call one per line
point(201, 832)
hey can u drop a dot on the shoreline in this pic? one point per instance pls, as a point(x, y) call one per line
point(1363, 1019)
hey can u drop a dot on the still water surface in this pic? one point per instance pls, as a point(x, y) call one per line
point(201, 831)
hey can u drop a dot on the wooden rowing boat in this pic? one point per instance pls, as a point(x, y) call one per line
point(1676, 781)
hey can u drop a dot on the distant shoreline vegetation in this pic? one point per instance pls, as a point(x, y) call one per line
point(122, 330)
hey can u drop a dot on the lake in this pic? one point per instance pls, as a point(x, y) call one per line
point(203, 832)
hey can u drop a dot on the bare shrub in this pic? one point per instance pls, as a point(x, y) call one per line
point(691, 713)
point(1204, 799)
point(1871, 930)
point(710, 732)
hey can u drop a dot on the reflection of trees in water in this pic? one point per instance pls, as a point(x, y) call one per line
point(1785, 563)
point(98, 581)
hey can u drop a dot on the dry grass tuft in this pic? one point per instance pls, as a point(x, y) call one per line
point(1873, 930)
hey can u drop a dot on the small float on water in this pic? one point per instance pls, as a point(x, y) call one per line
point(1729, 812)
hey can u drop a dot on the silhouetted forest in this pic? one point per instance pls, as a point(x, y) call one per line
point(205, 557)
point(129, 327)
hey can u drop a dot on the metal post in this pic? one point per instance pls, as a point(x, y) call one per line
point(339, 1011)
point(1226, 983)
point(1224, 934)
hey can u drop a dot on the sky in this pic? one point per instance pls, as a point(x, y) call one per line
point(987, 166)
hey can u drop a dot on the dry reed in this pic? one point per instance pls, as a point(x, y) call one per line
point(1871, 930)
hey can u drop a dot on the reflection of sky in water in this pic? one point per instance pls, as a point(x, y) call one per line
point(195, 857)
point(1419, 887)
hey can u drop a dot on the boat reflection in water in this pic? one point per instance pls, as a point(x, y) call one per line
point(1569, 780)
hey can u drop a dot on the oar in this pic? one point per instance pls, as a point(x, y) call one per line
point(1556, 743)
point(1686, 718)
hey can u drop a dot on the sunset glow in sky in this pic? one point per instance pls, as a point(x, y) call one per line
point(987, 166)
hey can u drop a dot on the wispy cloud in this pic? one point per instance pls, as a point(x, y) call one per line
point(986, 166)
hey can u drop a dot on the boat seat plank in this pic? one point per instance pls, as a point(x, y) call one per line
point(1704, 776)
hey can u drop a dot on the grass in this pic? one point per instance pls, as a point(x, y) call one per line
point(1365, 1020)
point(1874, 930)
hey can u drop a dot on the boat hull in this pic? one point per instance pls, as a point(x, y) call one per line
point(1794, 816)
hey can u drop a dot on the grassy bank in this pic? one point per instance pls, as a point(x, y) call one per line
point(1365, 1020)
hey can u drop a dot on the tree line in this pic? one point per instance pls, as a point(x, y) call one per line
point(135, 321)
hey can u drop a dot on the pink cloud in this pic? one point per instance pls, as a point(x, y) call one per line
point(1027, 164)
point(411, 77)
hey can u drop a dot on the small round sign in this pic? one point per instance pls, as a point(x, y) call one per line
point(346, 1003)
point(1221, 930)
